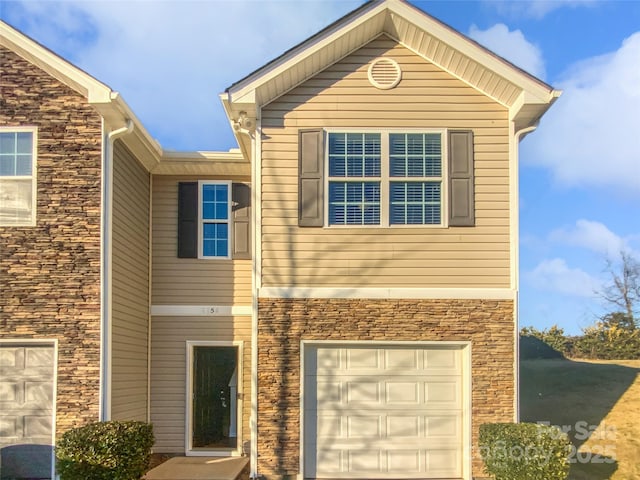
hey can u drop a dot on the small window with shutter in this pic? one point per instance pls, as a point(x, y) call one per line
point(214, 220)
point(387, 178)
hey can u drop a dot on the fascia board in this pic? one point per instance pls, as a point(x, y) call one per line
point(77, 79)
point(525, 99)
point(246, 89)
point(233, 110)
point(116, 113)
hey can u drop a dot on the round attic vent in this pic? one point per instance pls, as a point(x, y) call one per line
point(384, 73)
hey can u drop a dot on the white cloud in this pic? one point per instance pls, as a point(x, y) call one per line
point(556, 276)
point(169, 59)
point(594, 236)
point(537, 8)
point(511, 45)
point(591, 136)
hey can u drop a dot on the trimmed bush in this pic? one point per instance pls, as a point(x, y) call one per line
point(525, 451)
point(105, 451)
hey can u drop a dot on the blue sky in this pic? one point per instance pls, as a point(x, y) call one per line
point(580, 171)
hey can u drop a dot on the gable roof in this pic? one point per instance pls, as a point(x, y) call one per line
point(116, 113)
point(109, 104)
point(526, 97)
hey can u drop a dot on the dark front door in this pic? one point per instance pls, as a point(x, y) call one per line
point(215, 380)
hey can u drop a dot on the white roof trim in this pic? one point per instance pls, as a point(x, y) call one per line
point(246, 93)
point(75, 78)
point(536, 91)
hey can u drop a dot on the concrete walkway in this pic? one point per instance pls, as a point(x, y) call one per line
point(199, 468)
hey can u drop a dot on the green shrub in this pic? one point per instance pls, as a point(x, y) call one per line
point(105, 451)
point(525, 451)
point(548, 343)
point(614, 336)
point(533, 348)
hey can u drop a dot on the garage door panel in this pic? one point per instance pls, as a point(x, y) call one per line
point(9, 356)
point(367, 461)
point(424, 430)
point(8, 393)
point(9, 426)
point(37, 428)
point(443, 394)
point(372, 391)
point(36, 357)
point(376, 412)
point(396, 360)
point(38, 392)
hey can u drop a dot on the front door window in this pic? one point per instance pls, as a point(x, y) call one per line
point(214, 409)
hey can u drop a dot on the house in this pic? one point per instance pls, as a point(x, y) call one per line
point(336, 298)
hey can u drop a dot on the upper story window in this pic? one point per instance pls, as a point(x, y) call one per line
point(385, 178)
point(17, 176)
point(214, 219)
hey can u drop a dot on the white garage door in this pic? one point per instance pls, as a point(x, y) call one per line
point(26, 410)
point(383, 412)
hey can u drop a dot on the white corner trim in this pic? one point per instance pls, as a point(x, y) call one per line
point(200, 310)
point(388, 293)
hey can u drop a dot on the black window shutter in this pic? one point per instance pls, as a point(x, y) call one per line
point(311, 178)
point(461, 179)
point(241, 208)
point(188, 220)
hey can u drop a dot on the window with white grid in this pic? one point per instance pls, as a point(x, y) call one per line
point(17, 176)
point(385, 178)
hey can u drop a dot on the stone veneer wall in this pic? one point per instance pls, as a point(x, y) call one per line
point(283, 323)
point(50, 273)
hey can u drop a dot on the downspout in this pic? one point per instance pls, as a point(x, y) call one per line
point(150, 293)
point(106, 233)
point(516, 252)
point(256, 200)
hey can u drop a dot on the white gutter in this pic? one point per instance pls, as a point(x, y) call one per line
point(256, 281)
point(106, 234)
point(515, 251)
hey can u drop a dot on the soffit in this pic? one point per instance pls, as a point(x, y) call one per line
point(226, 164)
point(421, 33)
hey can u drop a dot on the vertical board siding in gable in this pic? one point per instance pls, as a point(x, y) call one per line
point(190, 281)
point(427, 97)
point(130, 286)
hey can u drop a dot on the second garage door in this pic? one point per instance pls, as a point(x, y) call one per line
point(383, 412)
point(26, 410)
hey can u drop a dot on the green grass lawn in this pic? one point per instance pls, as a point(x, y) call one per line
point(597, 403)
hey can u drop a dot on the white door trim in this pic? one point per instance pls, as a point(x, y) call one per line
point(189, 451)
point(467, 446)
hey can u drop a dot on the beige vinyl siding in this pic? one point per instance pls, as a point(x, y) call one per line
point(190, 281)
point(427, 97)
point(130, 305)
point(168, 371)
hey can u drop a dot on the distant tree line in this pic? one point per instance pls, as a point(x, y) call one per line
point(611, 338)
point(614, 336)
